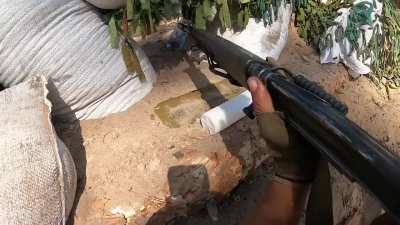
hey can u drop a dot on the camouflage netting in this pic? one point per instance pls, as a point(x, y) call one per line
point(386, 67)
point(313, 17)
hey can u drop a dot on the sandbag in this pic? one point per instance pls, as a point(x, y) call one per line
point(68, 42)
point(37, 173)
point(264, 40)
point(341, 50)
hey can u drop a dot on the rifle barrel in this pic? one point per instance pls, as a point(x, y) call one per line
point(347, 146)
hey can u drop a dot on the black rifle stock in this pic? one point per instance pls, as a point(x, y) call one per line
point(316, 115)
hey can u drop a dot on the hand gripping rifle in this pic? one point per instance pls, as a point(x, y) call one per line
point(318, 116)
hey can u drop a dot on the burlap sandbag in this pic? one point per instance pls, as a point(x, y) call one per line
point(68, 42)
point(37, 173)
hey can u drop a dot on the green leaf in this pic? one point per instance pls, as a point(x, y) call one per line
point(206, 8)
point(130, 4)
point(145, 4)
point(240, 19)
point(200, 21)
point(131, 61)
point(113, 30)
point(151, 22)
point(246, 16)
point(225, 15)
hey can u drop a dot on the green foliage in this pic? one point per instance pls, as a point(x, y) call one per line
point(138, 17)
point(243, 17)
point(130, 8)
point(200, 20)
point(114, 34)
point(386, 61)
point(384, 47)
point(360, 14)
point(224, 14)
point(204, 12)
point(266, 9)
point(142, 16)
point(233, 13)
point(208, 10)
point(314, 18)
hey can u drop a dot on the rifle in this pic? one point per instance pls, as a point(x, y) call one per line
point(318, 116)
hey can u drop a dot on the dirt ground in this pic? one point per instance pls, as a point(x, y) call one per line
point(133, 166)
point(125, 155)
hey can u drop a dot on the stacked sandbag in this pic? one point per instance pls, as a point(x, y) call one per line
point(264, 40)
point(68, 42)
point(37, 173)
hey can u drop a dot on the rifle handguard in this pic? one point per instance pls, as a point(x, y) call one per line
point(314, 88)
point(258, 69)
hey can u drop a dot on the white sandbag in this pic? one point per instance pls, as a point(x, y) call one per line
point(226, 114)
point(341, 51)
point(108, 4)
point(264, 41)
point(37, 173)
point(68, 42)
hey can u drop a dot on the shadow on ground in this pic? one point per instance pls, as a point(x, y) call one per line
point(69, 131)
point(229, 211)
point(188, 203)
